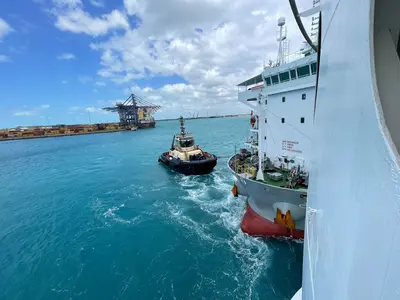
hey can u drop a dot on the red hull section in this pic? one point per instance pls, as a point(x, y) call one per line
point(255, 225)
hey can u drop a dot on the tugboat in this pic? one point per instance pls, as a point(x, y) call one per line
point(187, 158)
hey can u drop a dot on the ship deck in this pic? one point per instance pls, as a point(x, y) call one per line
point(281, 182)
point(267, 178)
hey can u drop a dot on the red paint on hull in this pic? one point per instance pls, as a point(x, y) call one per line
point(255, 225)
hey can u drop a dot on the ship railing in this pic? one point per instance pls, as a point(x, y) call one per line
point(251, 87)
point(285, 59)
point(252, 141)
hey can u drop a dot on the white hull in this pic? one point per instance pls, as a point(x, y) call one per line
point(265, 199)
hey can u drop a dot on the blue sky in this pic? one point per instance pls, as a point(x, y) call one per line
point(63, 59)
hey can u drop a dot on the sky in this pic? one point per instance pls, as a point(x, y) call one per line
point(61, 61)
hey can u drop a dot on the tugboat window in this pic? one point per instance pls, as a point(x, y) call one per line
point(186, 143)
point(265, 120)
point(268, 81)
point(265, 102)
point(283, 99)
point(302, 120)
point(283, 120)
point(303, 97)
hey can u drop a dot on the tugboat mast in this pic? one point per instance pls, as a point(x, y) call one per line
point(183, 132)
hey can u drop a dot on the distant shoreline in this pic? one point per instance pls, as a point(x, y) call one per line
point(15, 138)
point(56, 135)
point(209, 117)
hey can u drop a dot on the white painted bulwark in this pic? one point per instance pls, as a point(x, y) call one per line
point(352, 241)
point(249, 96)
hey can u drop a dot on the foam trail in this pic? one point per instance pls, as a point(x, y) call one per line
point(212, 194)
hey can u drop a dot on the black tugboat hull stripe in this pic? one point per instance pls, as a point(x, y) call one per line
point(200, 167)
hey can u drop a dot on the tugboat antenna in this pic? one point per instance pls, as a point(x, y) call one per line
point(182, 126)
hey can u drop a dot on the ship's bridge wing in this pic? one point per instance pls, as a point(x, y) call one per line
point(251, 81)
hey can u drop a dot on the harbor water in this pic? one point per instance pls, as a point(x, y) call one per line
point(97, 217)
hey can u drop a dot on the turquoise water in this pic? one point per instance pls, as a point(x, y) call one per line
point(96, 217)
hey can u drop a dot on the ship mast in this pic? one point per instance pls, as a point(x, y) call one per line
point(283, 44)
point(262, 131)
point(183, 132)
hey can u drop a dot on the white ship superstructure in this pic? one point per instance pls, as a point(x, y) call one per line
point(274, 173)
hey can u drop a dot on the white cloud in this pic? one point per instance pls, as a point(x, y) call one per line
point(31, 112)
point(4, 58)
point(97, 3)
point(259, 12)
point(75, 108)
point(93, 109)
point(4, 28)
point(68, 3)
point(66, 56)
point(95, 91)
point(175, 99)
point(212, 44)
point(100, 83)
point(64, 82)
point(104, 103)
point(132, 6)
point(84, 79)
point(23, 113)
point(71, 17)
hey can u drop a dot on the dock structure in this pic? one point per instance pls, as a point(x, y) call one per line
point(135, 112)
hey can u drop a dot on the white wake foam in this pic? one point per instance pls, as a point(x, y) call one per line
point(212, 195)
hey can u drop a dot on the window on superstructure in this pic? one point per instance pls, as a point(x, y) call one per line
point(186, 143)
point(301, 120)
point(314, 68)
point(303, 71)
point(266, 101)
point(268, 81)
point(265, 120)
point(303, 97)
point(293, 74)
point(283, 120)
point(283, 77)
point(275, 79)
point(283, 99)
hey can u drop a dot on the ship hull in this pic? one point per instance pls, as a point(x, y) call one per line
point(263, 202)
point(200, 167)
point(147, 125)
